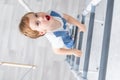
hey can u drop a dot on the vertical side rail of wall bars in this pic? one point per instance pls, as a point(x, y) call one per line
point(106, 40)
point(88, 45)
point(75, 43)
point(77, 62)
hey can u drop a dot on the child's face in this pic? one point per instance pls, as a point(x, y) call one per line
point(40, 21)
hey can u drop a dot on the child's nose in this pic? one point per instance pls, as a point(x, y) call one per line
point(41, 18)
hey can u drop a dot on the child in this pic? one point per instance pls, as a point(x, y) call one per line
point(53, 26)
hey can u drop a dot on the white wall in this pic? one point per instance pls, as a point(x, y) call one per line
point(113, 71)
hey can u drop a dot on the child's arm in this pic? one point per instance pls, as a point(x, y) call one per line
point(73, 21)
point(65, 51)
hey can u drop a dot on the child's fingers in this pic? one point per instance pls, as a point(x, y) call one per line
point(77, 53)
point(82, 29)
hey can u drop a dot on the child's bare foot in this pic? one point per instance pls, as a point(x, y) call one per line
point(77, 52)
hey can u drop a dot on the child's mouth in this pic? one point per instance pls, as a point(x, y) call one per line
point(47, 17)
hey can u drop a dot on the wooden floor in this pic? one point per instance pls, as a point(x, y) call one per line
point(14, 47)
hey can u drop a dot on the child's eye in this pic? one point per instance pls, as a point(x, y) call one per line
point(37, 23)
point(36, 15)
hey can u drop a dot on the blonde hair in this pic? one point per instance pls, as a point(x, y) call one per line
point(25, 28)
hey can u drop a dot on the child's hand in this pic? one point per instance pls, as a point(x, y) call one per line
point(76, 52)
point(82, 29)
